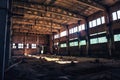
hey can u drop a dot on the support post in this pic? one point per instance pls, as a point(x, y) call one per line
point(87, 37)
point(53, 43)
point(110, 36)
point(4, 36)
point(67, 48)
point(59, 43)
point(78, 34)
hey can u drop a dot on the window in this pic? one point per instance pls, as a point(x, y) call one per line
point(75, 29)
point(117, 37)
point(103, 19)
point(81, 27)
point(90, 24)
point(75, 43)
point(63, 45)
point(20, 45)
point(102, 39)
point(56, 36)
point(114, 16)
point(13, 46)
point(93, 41)
point(94, 23)
point(33, 46)
point(118, 13)
point(70, 31)
point(64, 33)
point(27, 46)
point(83, 42)
point(98, 21)
point(98, 40)
point(56, 43)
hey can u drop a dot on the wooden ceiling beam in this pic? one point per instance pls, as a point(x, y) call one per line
point(26, 8)
point(90, 3)
point(33, 20)
point(39, 26)
point(48, 5)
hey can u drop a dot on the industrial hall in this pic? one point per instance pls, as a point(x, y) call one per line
point(59, 39)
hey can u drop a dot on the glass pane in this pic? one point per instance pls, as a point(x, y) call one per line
point(90, 24)
point(75, 29)
point(20, 45)
point(56, 36)
point(114, 15)
point(80, 28)
point(63, 34)
point(103, 19)
point(83, 26)
point(98, 21)
point(83, 42)
point(118, 13)
point(13, 46)
point(94, 41)
point(102, 39)
point(33, 46)
point(94, 23)
point(71, 44)
point(27, 46)
point(117, 37)
point(63, 45)
point(76, 43)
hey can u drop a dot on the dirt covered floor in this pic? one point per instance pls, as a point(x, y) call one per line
point(63, 68)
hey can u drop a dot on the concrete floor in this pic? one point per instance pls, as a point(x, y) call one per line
point(47, 67)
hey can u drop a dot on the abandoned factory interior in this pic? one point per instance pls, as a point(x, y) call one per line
point(59, 39)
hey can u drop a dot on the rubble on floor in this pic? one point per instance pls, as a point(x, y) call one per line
point(87, 68)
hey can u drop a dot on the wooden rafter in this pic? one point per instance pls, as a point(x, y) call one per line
point(90, 3)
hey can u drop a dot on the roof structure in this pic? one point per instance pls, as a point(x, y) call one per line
point(48, 16)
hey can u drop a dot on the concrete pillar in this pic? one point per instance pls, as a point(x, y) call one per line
point(53, 43)
point(4, 36)
point(78, 34)
point(68, 46)
point(110, 36)
point(59, 43)
point(87, 37)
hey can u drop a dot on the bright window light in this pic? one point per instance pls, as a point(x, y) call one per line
point(71, 30)
point(75, 29)
point(83, 26)
point(63, 45)
point(94, 41)
point(94, 23)
point(56, 36)
point(103, 19)
point(33, 46)
point(64, 33)
point(114, 16)
point(75, 43)
point(13, 46)
point(27, 46)
point(102, 39)
point(118, 13)
point(90, 24)
point(117, 37)
point(20, 45)
point(82, 42)
point(98, 21)
point(79, 27)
